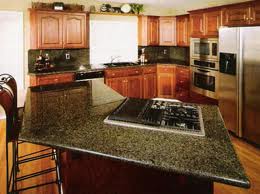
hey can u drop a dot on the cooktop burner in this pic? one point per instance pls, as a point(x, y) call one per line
point(164, 115)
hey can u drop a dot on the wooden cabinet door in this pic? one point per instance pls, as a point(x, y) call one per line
point(143, 30)
point(118, 84)
point(183, 30)
point(197, 25)
point(166, 81)
point(49, 30)
point(167, 31)
point(134, 86)
point(212, 23)
point(74, 31)
point(153, 30)
point(236, 15)
point(255, 13)
point(166, 86)
point(149, 85)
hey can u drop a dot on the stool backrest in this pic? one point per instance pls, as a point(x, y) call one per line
point(7, 80)
point(7, 102)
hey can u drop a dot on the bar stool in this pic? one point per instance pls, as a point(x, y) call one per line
point(8, 99)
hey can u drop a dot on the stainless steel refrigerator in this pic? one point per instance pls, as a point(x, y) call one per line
point(239, 81)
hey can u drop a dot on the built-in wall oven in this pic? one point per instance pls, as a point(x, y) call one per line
point(204, 66)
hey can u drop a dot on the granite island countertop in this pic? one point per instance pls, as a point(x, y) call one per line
point(71, 116)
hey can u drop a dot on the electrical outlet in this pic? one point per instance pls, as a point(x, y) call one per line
point(164, 51)
point(67, 55)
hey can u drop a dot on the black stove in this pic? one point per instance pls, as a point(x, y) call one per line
point(164, 115)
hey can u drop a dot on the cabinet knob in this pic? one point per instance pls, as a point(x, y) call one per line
point(56, 79)
point(251, 18)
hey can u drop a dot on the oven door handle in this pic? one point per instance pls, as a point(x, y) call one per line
point(204, 71)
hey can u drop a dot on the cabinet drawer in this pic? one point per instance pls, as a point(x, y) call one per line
point(114, 73)
point(147, 70)
point(52, 79)
point(166, 69)
point(134, 71)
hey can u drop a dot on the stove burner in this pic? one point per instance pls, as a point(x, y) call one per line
point(171, 115)
point(162, 115)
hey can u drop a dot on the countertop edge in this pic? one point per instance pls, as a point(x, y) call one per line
point(199, 175)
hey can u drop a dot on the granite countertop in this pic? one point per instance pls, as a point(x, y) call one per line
point(71, 116)
point(73, 69)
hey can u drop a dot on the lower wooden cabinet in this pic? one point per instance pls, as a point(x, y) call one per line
point(182, 89)
point(149, 86)
point(118, 84)
point(166, 81)
point(127, 86)
point(134, 86)
point(163, 81)
point(37, 80)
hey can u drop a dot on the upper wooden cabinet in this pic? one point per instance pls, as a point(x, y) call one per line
point(56, 30)
point(197, 24)
point(153, 30)
point(243, 14)
point(74, 30)
point(205, 24)
point(212, 23)
point(183, 30)
point(49, 30)
point(167, 31)
point(148, 30)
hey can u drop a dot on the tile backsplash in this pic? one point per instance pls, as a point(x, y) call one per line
point(58, 57)
point(154, 53)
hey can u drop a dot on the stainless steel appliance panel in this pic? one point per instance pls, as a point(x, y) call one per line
point(204, 49)
point(205, 82)
point(251, 83)
point(229, 82)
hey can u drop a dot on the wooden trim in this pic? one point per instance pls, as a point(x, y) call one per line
point(57, 11)
point(219, 7)
point(113, 14)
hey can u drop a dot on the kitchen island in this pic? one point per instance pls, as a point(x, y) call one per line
point(70, 117)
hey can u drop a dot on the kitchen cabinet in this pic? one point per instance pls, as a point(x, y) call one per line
point(127, 82)
point(118, 84)
point(74, 30)
point(242, 14)
point(148, 30)
point(149, 82)
point(182, 89)
point(166, 81)
point(49, 28)
point(183, 30)
point(134, 86)
point(212, 21)
point(37, 80)
point(167, 31)
point(205, 24)
point(197, 25)
point(57, 30)
point(153, 30)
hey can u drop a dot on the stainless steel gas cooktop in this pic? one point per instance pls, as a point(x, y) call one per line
point(163, 115)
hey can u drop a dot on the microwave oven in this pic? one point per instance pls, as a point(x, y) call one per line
point(204, 48)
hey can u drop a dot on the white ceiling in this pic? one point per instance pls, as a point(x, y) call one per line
point(179, 4)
